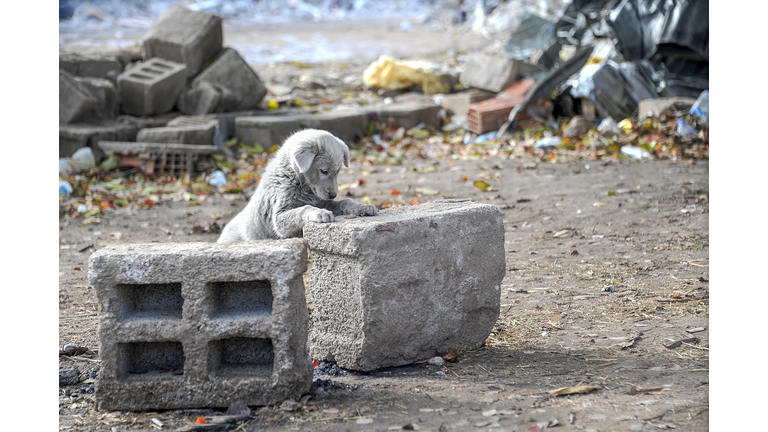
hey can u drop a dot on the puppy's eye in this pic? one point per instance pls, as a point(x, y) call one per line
point(324, 171)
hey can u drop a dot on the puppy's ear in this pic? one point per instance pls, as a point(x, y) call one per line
point(303, 155)
point(344, 152)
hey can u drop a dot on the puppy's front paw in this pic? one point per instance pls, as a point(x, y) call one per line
point(366, 210)
point(320, 216)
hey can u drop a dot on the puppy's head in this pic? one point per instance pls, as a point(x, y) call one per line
point(318, 156)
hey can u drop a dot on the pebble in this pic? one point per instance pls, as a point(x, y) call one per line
point(437, 361)
point(69, 375)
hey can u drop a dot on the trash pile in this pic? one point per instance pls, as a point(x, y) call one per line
point(568, 83)
point(183, 117)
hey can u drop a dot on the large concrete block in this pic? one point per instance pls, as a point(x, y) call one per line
point(402, 286)
point(190, 325)
point(408, 114)
point(75, 100)
point(184, 130)
point(228, 84)
point(85, 65)
point(184, 36)
point(151, 87)
point(348, 125)
point(494, 73)
point(266, 130)
point(103, 90)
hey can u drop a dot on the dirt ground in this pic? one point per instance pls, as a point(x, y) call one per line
point(606, 287)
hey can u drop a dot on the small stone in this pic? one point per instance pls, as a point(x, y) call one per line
point(290, 406)
point(437, 361)
point(577, 126)
point(68, 375)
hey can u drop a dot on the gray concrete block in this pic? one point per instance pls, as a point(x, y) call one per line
point(458, 103)
point(184, 36)
point(407, 114)
point(266, 130)
point(151, 87)
point(348, 125)
point(75, 100)
point(184, 130)
point(494, 73)
point(228, 84)
point(103, 90)
point(191, 325)
point(87, 65)
point(75, 136)
point(402, 286)
point(654, 107)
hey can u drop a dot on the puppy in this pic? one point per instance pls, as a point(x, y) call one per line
point(297, 186)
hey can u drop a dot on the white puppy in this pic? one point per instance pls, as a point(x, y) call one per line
point(297, 186)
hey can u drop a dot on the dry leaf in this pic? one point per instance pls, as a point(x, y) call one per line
point(200, 420)
point(483, 186)
point(562, 391)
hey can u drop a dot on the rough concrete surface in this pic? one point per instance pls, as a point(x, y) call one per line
point(190, 325)
point(228, 84)
point(75, 100)
point(184, 36)
point(493, 73)
point(408, 284)
point(151, 87)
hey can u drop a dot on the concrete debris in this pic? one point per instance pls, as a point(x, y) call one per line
point(184, 36)
point(184, 130)
point(96, 66)
point(494, 73)
point(75, 100)
point(416, 280)
point(151, 87)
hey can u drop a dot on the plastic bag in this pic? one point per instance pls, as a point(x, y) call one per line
point(387, 73)
point(701, 107)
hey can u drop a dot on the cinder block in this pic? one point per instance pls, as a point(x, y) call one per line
point(402, 286)
point(408, 114)
point(184, 130)
point(103, 90)
point(458, 103)
point(348, 125)
point(96, 66)
point(266, 130)
point(494, 73)
point(228, 84)
point(75, 100)
point(151, 87)
point(191, 325)
point(184, 36)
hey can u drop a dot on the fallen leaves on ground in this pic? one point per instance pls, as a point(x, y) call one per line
point(577, 389)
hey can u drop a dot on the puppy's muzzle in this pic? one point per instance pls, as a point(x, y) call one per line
point(331, 195)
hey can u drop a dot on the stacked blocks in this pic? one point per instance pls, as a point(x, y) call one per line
point(185, 325)
point(405, 285)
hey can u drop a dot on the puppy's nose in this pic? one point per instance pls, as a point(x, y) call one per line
point(331, 195)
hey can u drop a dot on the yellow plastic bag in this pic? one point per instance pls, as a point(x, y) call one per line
point(389, 74)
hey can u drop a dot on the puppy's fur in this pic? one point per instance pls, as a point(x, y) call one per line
point(297, 186)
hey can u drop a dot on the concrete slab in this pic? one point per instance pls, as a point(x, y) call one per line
point(494, 73)
point(151, 87)
point(77, 135)
point(184, 36)
point(347, 125)
point(86, 65)
point(407, 114)
point(184, 130)
point(402, 286)
point(192, 325)
point(266, 130)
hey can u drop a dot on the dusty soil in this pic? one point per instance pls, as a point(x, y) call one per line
point(599, 287)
